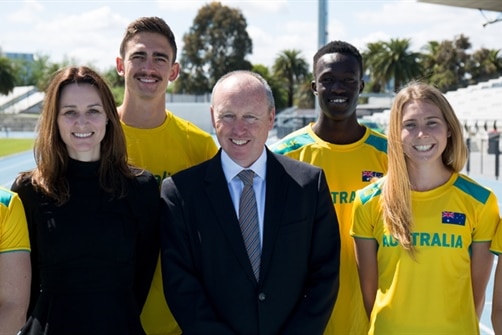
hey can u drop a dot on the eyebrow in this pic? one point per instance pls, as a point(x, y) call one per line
point(155, 54)
point(96, 104)
point(138, 53)
point(161, 54)
point(426, 119)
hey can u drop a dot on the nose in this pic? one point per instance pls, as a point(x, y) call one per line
point(82, 119)
point(422, 132)
point(148, 64)
point(338, 86)
point(240, 125)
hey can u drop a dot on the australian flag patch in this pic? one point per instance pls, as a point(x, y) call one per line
point(453, 218)
point(369, 175)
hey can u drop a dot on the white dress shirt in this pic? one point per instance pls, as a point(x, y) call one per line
point(235, 184)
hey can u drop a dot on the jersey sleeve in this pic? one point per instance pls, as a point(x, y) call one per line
point(362, 218)
point(496, 245)
point(487, 221)
point(14, 229)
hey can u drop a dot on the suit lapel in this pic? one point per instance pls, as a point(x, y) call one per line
point(219, 198)
point(277, 188)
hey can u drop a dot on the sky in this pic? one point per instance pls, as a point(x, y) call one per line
point(89, 32)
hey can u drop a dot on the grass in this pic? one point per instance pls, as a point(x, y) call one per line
point(9, 146)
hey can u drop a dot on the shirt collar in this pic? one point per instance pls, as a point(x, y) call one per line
point(231, 168)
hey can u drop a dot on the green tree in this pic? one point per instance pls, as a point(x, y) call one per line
point(446, 63)
point(292, 68)
point(486, 64)
point(216, 43)
point(39, 71)
point(43, 69)
point(305, 97)
point(429, 57)
point(116, 84)
point(23, 72)
point(394, 62)
point(280, 94)
point(7, 78)
point(371, 60)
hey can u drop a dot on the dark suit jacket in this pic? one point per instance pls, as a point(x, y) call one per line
point(208, 280)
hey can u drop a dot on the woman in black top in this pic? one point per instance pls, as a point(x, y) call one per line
point(92, 218)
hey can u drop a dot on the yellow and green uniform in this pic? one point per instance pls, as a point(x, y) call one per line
point(433, 293)
point(13, 227)
point(348, 168)
point(173, 146)
point(496, 245)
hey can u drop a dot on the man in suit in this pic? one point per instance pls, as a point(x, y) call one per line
point(285, 282)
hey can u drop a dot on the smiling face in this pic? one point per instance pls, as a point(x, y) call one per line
point(424, 132)
point(81, 121)
point(147, 66)
point(338, 84)
point(242, 118)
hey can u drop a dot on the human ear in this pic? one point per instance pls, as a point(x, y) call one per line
point(119, 66)
point(313, 87)
point(175, 71)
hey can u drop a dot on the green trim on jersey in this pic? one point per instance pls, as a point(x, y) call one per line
point(13, 226)
point(371, 191)
point(293, 143)
point(5, 197)
point(475, 190)
point(377, 142)
point(443, 256)
point(348, 168)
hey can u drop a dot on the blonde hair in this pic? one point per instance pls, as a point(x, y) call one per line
point(396, 195)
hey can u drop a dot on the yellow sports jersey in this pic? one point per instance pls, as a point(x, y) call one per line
point(13, 227)
point(432, 294)
point(175, 145)
point(348, 168)
point(496, 245)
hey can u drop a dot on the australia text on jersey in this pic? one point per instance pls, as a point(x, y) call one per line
point(423, 239)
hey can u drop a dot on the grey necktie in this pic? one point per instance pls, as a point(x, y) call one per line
point(248, 220)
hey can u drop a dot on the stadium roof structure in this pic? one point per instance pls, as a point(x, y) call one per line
point(492, 5)
point(481, 5)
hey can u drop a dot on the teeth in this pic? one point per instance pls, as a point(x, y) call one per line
point(338, 101)
point(82, 134)
point(239, 142)
point(145, 80)
point(423, 147)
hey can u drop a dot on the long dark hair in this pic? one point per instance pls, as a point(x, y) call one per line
point(51, 154)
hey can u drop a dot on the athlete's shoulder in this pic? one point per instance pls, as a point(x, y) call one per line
point(371, 191)
point(186, 126)
point(293, 141)
point(377, 140)
point(291, 163)
point(6, 197)
point(472, 188)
